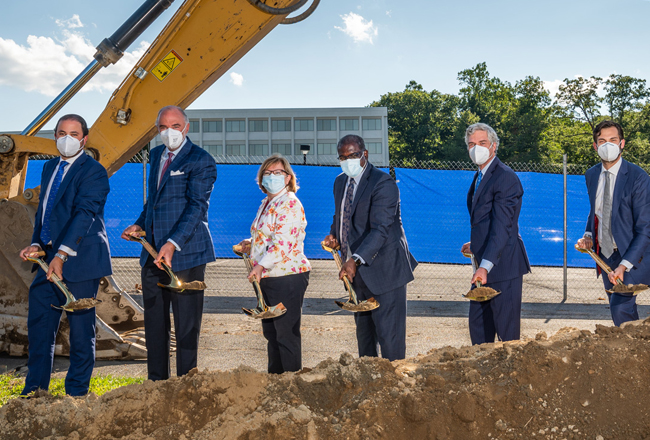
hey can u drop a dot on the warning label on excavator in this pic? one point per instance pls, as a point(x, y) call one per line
point(167, 65)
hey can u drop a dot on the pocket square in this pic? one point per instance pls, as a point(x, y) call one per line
point(176, 173)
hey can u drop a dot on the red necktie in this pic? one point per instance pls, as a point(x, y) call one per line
point(165, 166)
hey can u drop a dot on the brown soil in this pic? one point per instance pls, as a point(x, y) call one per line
point(576, 384)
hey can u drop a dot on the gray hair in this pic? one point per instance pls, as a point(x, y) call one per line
point(479, 126)
point(172, 107)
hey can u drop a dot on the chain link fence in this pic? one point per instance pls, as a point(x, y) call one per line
point(442, 275)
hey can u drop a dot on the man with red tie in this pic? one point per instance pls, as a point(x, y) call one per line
point(175, 219)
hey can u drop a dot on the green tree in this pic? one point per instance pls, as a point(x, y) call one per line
point(580, 95)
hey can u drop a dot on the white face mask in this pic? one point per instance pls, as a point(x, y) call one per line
point(609, 151)
point(273, 184)
point(479, 154)
point(172, 138)
point(352, 167)
point(68, 146)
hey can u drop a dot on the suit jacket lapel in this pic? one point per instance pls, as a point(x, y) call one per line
point(47, 176)
point(176, 162)
point(592, 188)
point(484, 180)
point(362, 186)
point(155, 168)
point(621, 180)
point(74, 169)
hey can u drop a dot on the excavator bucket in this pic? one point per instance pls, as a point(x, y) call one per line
point(120, 319)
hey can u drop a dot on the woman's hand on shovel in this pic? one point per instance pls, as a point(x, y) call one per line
point(256, 274)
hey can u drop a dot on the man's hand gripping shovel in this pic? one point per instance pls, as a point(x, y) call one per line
point(352, 304)
point(620, 287)
point(175, 284)
point(262, 311)
point(480, 293)
point(71, 304)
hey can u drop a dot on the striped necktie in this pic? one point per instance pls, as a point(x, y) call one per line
point(607, 241)
point(478, 182)
point(345, 222)
point(170, 156)
point(54, 189)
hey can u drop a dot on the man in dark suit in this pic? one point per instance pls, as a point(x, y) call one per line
point(619, 218)
point(368, 226)
point(69, 227)
point(175, 219)
point(494, 202)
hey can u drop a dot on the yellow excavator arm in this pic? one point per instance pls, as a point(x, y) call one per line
point(201, 42)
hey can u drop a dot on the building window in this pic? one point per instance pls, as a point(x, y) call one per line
point(258, 125)
point(349, 124)
point(281, 125)
point(212, 127)
point(235, 150)
point(194, 126)
point(372, 124)
point(283, 149)
point(258, 149)
point(296, 147)
point(214, 150)
point(238, 125)
point(327, 148)
point(304, 124)
point(326, 124)
point(373, 147)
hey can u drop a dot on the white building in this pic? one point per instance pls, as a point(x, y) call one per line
point(251, 135)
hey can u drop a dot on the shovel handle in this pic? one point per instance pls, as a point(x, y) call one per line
point(599, 261)
point(339, 264)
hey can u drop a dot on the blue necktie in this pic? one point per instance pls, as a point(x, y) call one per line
point(45, 231)
point(478, 182)
point(345, 225)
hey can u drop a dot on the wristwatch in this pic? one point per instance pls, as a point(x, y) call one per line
point(63, 258)
point(357, 260)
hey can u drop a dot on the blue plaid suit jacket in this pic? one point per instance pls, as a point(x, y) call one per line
point(178, 209)
point(77, 218)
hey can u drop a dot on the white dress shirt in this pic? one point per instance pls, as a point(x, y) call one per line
point(598, 208)
point(354, 194)
point(485, 264)
point(163, 159)
point(70, 161)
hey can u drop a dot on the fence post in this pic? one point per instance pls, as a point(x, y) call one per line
point(564, 173)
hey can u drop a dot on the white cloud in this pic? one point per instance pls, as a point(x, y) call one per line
point(237, 79)
point(46, 65)
point(553, 86)
point(73, 22)
point(360, 29)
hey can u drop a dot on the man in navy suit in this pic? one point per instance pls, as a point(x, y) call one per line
point(494, 202)
point(368, 226)
point(619, 219)
point(69, 227)
point(175, 219)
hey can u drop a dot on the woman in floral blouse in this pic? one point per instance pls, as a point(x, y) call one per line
point(280, 265)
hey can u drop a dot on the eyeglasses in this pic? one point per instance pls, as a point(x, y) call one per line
point(275, 173)
point(356, 155)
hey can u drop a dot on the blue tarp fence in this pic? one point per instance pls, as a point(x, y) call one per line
point(434, 210)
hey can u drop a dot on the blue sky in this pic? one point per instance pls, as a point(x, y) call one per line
point(347, 54)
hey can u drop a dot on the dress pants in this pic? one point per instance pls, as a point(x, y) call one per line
point(188, 311)
point(383, 328)
point(42, 326)
point(622, 307)
point(500, 316)
point(283, 333)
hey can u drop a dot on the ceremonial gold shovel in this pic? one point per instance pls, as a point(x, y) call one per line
point(620, 287)
point(352, 304)
point(262, 311)
point(480, 293)
point(71, 304)
point(175, 284)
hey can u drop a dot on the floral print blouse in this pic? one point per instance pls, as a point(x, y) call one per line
point(277, 236)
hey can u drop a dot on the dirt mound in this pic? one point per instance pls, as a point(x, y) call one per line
point(576, 384)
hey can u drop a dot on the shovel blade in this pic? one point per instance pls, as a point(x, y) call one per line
point(628, 289)
point(80, 304)
point(269, 313)
point(363, 306)
point(481, 294)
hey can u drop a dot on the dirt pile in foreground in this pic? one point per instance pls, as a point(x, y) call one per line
point(576, 384)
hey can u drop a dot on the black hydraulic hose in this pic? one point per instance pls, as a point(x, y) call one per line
point(111, 49)
point(302, 16)
point(277, 11)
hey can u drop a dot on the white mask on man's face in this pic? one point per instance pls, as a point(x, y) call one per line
point(68, 146)
point(609, 151)
point(172, 138)
point(479, 154)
